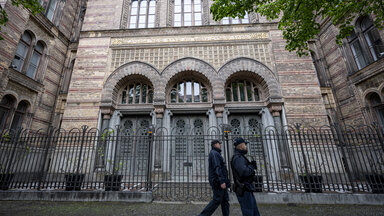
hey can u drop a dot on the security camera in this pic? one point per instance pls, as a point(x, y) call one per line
point(13, 66)
point(17, 57)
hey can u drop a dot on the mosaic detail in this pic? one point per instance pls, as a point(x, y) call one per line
point(216, 55)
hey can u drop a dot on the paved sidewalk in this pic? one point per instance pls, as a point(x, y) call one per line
point(31, 208)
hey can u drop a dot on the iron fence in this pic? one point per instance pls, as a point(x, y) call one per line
point(174, 163)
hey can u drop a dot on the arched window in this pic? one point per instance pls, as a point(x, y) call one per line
point(142, 14)
point(6, 106)
point(19, 115)
point(28, 57)
point(372, 37)
point(189, 91)
point(237, 20)
point(365, 44)
point(137, 93)
point(242, 90)
point(187, 13)
point(35, 60)
point(377, 108)
point(23, 48)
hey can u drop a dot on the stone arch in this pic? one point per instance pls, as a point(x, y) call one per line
point(381, 90)
point(260, 71)
point(188, 64)
point(372, 96)
point(115, 81)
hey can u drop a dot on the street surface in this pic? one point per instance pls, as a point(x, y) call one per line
point(31, 208)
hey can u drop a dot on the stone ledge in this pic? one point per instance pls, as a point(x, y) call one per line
point(77, 196)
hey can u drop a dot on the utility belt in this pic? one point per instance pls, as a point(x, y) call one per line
point(239, 187)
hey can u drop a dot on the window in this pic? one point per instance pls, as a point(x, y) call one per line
point(365, 43)
point(35, 60)
point(187, 13)
point(377, 108)
point(23, 48)
point(242, 90)
point(137, 93)
point(237, 20)
point(28, 56)
point(51, 8)
point(372, 38)
point(142, 14)
point(6, 106)
point(19, 115)
point(189, 91)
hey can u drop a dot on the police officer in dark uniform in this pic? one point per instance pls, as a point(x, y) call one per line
point(243, 175)
point(218, 179)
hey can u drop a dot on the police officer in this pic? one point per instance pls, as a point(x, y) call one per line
point(243, 175)
point(218, 179)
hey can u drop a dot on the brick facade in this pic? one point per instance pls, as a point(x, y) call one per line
point(110, 54)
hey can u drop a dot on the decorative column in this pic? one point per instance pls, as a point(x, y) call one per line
point(212, 122)
point(219, 110)
point(158, 144)
point(275, 109)
point(106, 113)
point(282, 144)
point(159, 112)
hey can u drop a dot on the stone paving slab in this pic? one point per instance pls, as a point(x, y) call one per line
point(32, 208)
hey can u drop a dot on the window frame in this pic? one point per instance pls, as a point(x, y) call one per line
point(46, 5)
point(147, 14)
point(31, 50)
point(253, 86)
point(203, 87)
point(240, 20)
point(183, 13)
point(358, 38)
point(126, 89)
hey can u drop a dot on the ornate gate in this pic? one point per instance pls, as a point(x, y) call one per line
point(134, 146)
point(188, 149)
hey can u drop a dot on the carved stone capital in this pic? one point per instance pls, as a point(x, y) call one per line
point(107, 110)
point(219, 109)
point(159, 110)
point(275, 109)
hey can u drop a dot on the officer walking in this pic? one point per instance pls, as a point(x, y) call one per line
point(218, 179)
point(243, 175)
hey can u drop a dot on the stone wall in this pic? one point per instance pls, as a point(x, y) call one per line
point(42, 91)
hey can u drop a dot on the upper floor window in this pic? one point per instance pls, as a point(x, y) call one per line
point(28, 56)
point(142, 14)
point(137, 93)
point(365, 43)
point(35, 60)
point(187, 13)
point(189, 91)
point(51, 8)
point(237, 20)
point(242, 90)
point(23, 48)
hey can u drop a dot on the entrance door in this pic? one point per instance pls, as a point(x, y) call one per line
point(249, 127)
point(189, 148)
point(134, 146)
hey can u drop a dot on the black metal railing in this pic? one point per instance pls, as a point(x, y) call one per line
point(173, 164)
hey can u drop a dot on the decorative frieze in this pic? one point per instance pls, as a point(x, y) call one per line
point(216, 55)
point(189, 38)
